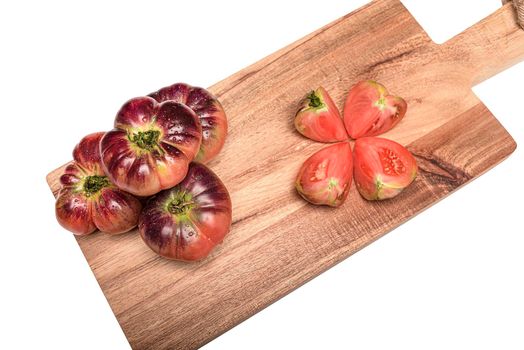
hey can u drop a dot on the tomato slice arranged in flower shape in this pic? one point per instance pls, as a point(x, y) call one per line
point(369, 110)
point(319, 119)
point(188, 220)
point(87, 199)
point(383, 168)
point(209, 111)
point(151, 146)
point(325, 177)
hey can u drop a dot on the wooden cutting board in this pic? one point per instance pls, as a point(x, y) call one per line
point(278, 241)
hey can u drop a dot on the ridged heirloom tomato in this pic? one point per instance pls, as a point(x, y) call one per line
point(370, 110)
point(87, 200)
point(319, 119)
point(383, 168)
point(188, 220)
point(151, 146)
point(325, 177)
point(209, 111)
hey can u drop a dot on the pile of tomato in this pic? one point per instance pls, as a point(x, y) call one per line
point(380, 167)
point(149, 171)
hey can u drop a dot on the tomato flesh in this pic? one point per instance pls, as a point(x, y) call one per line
point(383, 168)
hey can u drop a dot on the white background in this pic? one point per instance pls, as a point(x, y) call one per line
point(450, 278)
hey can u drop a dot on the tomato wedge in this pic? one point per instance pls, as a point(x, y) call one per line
point(382, 168)
point(325, 177)
point(370, 110)
point(319, 119)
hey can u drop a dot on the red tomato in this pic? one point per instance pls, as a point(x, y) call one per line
point(371, 111)
point(209, 111)
point(87, 200)
point(325, 177)
point(319, 119)
point(151, 146)
point(188, 220)
point(383, 168)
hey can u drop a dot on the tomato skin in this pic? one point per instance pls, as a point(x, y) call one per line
point(74, 213)
point(370, 110)
point(382, 168)
point(151, 146)
point(209, 111)
point(187, 221)
point(87, 200)
point(319, 119)
point(325, 177)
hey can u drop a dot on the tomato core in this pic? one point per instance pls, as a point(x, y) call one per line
point(381, 103)
point(94, 183)
point(181, 204)
point(146, 139)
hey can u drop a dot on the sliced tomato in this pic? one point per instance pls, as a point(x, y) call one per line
point(325, 177)
point(319, 119)
point(383, 168)
point(370, 110)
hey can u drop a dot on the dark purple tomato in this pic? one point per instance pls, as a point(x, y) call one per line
point(370, 110)
point(151, 146)
point(185, 222)
point(209, 111)
point(87, 199)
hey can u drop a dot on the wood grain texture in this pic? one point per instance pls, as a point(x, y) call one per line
point(277, 241)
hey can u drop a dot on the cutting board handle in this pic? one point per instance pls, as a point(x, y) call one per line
point(489, 46)
point(519, 8)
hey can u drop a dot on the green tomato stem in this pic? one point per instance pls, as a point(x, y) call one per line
point(314, 100)
point(147, 140)
point(181, 204)
point(94, 183)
